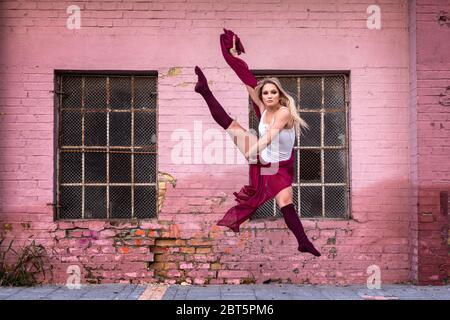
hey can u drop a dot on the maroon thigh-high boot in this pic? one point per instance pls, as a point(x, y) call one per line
point(218, 113)
point(294, 224)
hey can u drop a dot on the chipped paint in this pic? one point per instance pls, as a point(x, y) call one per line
point(445, 97)
point(171, 72)
point(183, 84)
point(163, 179)
point(26, 225)
point(443, 19)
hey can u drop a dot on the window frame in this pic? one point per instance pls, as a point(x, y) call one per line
point(275, 210)
point(58, 76)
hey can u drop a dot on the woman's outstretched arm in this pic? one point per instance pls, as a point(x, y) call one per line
point(230, 42)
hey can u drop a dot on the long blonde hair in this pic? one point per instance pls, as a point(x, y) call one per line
point(285, 100)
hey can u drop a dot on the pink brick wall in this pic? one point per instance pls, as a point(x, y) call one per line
point(184, 244)
point(413, 143)
point(430, 103)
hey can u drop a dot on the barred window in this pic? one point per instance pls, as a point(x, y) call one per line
point(321, 179)
point(106, 157)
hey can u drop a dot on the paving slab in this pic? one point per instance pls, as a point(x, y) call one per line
point(225, 292)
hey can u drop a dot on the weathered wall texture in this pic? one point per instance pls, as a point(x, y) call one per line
point(430, 143)
point(399, 144)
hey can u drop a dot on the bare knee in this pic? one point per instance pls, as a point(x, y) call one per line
point(284, 197)
point(284, 203)
point(234, 125)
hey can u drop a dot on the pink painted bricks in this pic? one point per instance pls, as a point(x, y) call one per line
point(399, 137)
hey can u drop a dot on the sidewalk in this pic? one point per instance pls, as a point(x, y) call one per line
point(226, 292)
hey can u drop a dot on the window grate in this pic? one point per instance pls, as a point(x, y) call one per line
point(321, 178)
point(107, 146)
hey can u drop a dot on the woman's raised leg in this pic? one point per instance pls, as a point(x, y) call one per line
point(218, 113)
point(241, 137)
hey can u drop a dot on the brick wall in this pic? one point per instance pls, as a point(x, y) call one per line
point(184, 244)
point(430, 79)
point(413, 142)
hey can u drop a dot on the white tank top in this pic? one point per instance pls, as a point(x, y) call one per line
point(281, 146)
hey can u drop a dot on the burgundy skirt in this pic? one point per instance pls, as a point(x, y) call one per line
point(266, 181)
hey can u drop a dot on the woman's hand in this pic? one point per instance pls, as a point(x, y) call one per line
point(233, 50)
point(251, 158)
point(229, 38)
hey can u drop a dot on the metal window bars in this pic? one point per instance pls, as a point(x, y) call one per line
point(321, 179)
point(107, 146)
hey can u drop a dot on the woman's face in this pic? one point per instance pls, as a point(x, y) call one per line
point(270, 95)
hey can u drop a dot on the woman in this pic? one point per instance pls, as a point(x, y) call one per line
point(278, 123)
